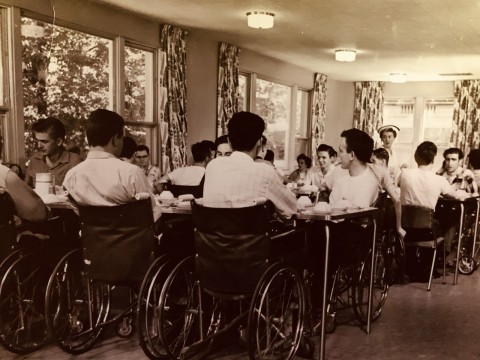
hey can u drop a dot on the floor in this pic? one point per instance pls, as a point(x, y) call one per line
point(415, 324)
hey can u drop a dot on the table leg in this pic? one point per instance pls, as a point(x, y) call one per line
point(459, 246)
point(372, 272)
point(476, 228)
point(324, 294)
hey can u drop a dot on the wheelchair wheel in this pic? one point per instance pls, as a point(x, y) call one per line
point(467, 265)
point(73, 317)
point(362, 283)
point(22, 318)
point(180, 311)
point(396, 255)
point(148, 310)
point(275, 319)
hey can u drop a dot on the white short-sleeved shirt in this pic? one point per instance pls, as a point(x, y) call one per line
point(237, 181)
point(360, 190)
point(188, 175)
point(104, 180)
point(422, 187)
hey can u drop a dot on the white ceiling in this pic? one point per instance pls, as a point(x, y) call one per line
point(423, 38)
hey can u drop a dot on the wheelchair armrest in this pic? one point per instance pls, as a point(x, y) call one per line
point(287, 233)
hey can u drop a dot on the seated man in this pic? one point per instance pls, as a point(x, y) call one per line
point(51, 155)
point(103, 179)
point(222, 146)
point(239, 181)
point(191, 175)
point(128, 150)
point(142, 159)
point(318, 174)
point(458, 177)
point(422, 187)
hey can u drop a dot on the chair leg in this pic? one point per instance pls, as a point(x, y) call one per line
point(431, 269)
point(444, 263)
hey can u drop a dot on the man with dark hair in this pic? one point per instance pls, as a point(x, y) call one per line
point(128, 150)
point(211, 145)
point(421, 186)
point(51, 155)
point(103, 179)
point(191, 175)
point(318, 174)
point(222, 146)
point(142, 159)
point(360, 185)
point(458, 177)
point(239, 181)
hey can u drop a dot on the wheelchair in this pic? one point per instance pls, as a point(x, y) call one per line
point(238, 281)
point(118, 244)
point(23, 278)
point(351, 279)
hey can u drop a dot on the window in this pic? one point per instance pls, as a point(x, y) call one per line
point(273, 104)
point(301, 123)
point(242, 93)
point(139, 94)
point(66, 74)
point(285, 110)
point(419, 120)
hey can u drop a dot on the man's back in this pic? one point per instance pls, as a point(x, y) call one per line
point(238, 181)
point(421, 187)
point(188, 175)
point(104, 180)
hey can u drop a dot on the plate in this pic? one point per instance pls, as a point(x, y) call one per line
point(183, 204)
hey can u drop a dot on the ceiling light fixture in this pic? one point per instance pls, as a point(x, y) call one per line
point(260, 19)
point(398, 78)
point(345, 55)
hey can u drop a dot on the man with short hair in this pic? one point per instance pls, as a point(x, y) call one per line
point(128, 150)
point(51, 155)
point(318, 174)
point(191, 175)
point(237, 180)
point(103, 179)
point(222, 146)
point(458, 177)
point(142, 159)
point(422, 187)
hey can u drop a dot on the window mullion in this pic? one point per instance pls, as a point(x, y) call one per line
point(117, 81)
point(14, 141)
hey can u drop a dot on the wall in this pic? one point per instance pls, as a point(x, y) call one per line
point(340, 101)
point(424, 88)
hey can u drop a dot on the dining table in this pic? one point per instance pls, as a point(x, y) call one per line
point(327, 219)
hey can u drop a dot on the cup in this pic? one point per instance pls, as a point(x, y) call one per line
point(44, 182)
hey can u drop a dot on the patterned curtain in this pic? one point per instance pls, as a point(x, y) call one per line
point(173, 97)
point(466, 116)
point(227, 90)
point(319, 106)
point(368, 112)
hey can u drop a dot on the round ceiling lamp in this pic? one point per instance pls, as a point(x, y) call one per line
point(345, 55)
point(398, 78)
point(260, 19)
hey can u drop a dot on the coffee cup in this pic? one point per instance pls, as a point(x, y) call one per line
point(44, 182)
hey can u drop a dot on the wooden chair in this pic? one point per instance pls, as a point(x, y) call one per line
point(418, 222)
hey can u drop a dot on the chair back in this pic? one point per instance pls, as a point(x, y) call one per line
point(117, 241)
point(386, 217)
point(8, 232)
point(417, 217)
point(232, 247)
point(177, 190)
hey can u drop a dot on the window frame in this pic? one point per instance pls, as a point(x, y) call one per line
point(290, 156)
point(14, 125)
